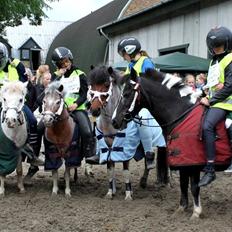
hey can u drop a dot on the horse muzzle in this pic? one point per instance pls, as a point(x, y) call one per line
point(48, 120)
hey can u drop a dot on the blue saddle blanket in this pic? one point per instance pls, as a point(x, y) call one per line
point(126, 142)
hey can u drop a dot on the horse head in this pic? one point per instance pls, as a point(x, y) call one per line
point(12, 99)
point(53, 103)
point(101, 83)
point(126, 107)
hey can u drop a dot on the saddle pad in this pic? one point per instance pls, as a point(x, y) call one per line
point(9, 154)
point(72, 157)
point(185, 146)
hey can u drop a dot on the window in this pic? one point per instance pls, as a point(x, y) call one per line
point(181, 48)
point(25, 54)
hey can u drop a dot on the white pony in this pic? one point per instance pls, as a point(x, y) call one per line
point(13, 131)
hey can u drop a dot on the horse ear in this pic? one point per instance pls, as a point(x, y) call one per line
point(110, 70)
point(133, 74)
point(61, 88)
point(91, 67)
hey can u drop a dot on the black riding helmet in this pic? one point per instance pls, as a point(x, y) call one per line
point(129, 45)
point(217, 37)
point(3, 56)
point(61, 53)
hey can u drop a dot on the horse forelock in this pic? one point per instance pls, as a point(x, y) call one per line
point(14, 88)
point(53, 89)
point(98, 76)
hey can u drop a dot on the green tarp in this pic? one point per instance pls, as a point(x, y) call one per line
point(176, 62)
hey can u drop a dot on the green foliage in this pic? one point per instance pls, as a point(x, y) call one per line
point(13, 11)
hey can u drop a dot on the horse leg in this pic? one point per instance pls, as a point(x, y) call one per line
point(55, 182)
point(197, 209)
point(89, 170)
point(184, 182)
point(75, 177)
point(19, 171)
point(111, 177)
point(143, 179)
point(67, 181)
point(2, 187)
point(126, 174)
point(162, 166)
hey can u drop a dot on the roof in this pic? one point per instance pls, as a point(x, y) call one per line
point(83, 39)
point(30, 43)
point(175, 62)
point(159, 12)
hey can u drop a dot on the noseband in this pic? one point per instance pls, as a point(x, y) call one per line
point(55, 116)
point(92, 94)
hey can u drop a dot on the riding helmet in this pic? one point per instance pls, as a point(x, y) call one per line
point(129, 45)
point(3, 56)
point(61, 53)
point(217, 37)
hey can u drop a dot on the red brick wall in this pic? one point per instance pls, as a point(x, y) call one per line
point(139, 5)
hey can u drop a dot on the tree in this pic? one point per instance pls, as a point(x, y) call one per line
point(13, 11)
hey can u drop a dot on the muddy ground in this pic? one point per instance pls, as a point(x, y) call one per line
point(153, 208)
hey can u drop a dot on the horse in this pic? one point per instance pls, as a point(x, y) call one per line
point(13, 132)
point(61, 136)
point(104, 93)
point(171, 103)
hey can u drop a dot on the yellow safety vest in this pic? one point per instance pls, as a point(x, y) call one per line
point(72, 97)
point(2, 77)
point(227, 103)
point(12, 71)
point(138, 66)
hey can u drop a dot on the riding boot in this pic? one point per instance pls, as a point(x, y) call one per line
point(209, 175)
point(150, 160)
point(90, 152)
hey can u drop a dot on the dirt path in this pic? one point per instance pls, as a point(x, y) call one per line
point(151, 210)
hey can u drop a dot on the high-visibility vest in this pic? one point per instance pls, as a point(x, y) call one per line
point(12, 71)
point(227, 103)
point(138, 65)
point(2, 77)
point(71, 97)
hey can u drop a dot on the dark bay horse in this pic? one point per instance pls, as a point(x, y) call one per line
point(169, 101)
point(61, 141)
point(104, 94)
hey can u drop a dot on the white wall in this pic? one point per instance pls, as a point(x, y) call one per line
point(191, 28)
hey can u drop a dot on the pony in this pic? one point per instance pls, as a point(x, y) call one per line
point(61, 136)
point(13, 132)
point(104, 94)
point(171, 103)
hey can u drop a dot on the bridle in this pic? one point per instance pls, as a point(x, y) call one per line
point(93, 94)
point(55, 115)
point(18, 111)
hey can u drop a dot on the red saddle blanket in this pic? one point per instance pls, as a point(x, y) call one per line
point(185, 145)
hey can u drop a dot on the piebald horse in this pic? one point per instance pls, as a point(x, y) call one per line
point(13, 132)
point(169, 101)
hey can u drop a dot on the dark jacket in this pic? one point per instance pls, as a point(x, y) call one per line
point(83, 85)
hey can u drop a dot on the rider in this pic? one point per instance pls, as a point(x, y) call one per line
point(14, 70)
point(75, 83)
point(130, 49)
point(219, 81)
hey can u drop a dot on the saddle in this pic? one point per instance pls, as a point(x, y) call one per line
point(185, 145)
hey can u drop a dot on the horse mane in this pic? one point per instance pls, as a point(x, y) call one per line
point(54, 88)
point(14, 87)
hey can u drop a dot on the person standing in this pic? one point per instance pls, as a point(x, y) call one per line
point(219, 101)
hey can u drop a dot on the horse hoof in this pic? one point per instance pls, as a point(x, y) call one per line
point(22, 191)
point(143, 182)
point(195, 217)
point(128, 198)
point(68, 195)
point(54, 194)
point(179, 211)
point(109, 196)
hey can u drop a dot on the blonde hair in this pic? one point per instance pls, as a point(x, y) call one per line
point(40, 72)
